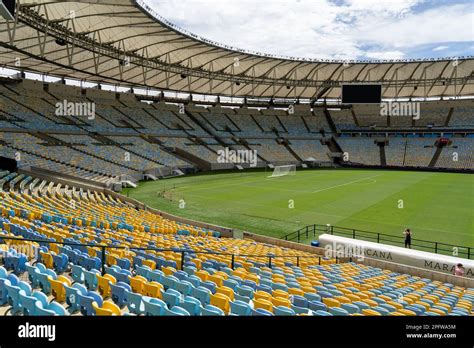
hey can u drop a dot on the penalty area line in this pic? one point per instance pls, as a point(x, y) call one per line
point(347, 183)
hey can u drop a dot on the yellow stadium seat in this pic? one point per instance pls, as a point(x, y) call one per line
point(226, 291)
point(280, 293)
point(343, 299)
point(435, 299)
point(221, 301)
point(259, 295)
point(216, 279)
point(370, 312)
point(295, 291)
point(384, 297)
point(253, 277)
point(353, 297)
point(424, 304)
point(444, 305)
point(261, 303)
point(149, 263)
point(168, 270)
point(111, 259)
point(202, 274)
point(464, 304)
point(278, 301)
point(153, 289)
point(308, 289)
point(221, 274)
point(107, 309)
point(363, 295)
point(57, 288)
point(197, 263)
point(406, 312)
point(371, 303)
point(137, 283)
point(330, 302)
point(345, 291)
point(395, 304)
point(103, 284)
point(437, 311)
point(414, 297)
point(47, 259)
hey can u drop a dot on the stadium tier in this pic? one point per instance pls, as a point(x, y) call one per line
point(159, 266)
point(128, 138)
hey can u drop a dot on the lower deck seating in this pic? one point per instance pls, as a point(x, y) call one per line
point(361, 150)
point(157, 266)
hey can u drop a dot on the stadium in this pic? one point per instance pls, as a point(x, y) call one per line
point(148, 171)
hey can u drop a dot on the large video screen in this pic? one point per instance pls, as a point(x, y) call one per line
point(361, 94)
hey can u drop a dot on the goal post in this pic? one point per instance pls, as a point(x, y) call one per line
point(283, 170)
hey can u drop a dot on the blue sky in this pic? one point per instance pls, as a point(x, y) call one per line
point(331, 29)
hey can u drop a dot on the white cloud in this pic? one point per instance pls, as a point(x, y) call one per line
point(321, 28)
point(440, 48)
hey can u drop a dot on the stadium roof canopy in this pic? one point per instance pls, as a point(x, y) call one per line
point(123, 42)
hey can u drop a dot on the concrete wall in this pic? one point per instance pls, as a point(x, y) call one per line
point(419, 272)
point(398, 255)
point(395, 267)
point(32, 85)
point(304, 110)
point(273, 112)
point(244, 110)
point(99, 94)
point(128, 97)
point(284, 243)
point(64, 179)
point(64, 90)
point(195, 108)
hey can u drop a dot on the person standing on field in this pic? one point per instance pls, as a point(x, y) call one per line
point(407, 234)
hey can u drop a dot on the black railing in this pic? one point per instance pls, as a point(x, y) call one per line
point(303, 234)
point(103, 251)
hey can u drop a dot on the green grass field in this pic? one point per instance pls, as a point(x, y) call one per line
point(436, 206)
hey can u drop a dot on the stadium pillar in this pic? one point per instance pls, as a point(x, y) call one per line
point(269, 262)
point(182, 259)
point(103, 260)
point(232, 265)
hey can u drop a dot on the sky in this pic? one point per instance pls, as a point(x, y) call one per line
point(331, 29)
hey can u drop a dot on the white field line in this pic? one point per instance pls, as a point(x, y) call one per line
point(347, 183)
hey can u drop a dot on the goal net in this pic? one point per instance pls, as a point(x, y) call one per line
point(283, 170)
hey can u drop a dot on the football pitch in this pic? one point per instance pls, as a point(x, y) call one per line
point(437, 207)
